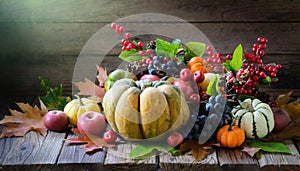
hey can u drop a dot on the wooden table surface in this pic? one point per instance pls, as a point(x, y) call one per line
point(34, 152)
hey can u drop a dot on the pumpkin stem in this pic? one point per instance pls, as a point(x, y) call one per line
point(79, 99)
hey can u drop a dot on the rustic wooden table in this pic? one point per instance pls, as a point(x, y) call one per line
point(34, 152)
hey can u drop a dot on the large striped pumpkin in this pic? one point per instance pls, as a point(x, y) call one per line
point(254, 117)
point(144, 110)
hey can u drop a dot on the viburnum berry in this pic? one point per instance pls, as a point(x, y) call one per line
point(127, 35)
point(113, 25)
point(120, 29)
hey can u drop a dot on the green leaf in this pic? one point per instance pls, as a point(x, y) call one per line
point(147, 150)
point(53, 98)
point(271, 147)
point(193, 49)
point(213, 88)
point(227, 65)
point(267, 81)
point(237, 58)
point(130, 55)
point(165, 48)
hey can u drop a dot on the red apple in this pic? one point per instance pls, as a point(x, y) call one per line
point(91, 123)
point(174, 139)
point(110, 136)
point(184, 87)
point(199, 77)
point(150, 77)
point(185, 74)
point(281, 118)
point(56, 120)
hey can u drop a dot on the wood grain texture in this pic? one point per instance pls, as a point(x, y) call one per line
point(235, 159)
point(107, 11)
point(72, 156)
point(32, 149)
point(281, 161)
point(187, 162)
point(118, 159)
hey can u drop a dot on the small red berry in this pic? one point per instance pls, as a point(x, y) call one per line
point(209, 48)
point(195, 98)
point(259, 39)
point(148, 51)
point(261, 53)
point(140, 45)
point(124, 48)
point(278, 66)
point(228, 57)
point(113, 25)
point(142, 53)
point(121, 29)
point(127, 35)
point(262, 46)
point(259, 61)
point(273, 74)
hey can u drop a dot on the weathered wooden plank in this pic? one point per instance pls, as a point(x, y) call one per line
point(107, 11)
point(118, 159)
point(34, 150)
point(281, 161)
point(235, 159)
point(74, 156)
point(186, 162)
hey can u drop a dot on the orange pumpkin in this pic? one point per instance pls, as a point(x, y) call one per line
point(198, 67)
point(195, 60)
point(230, 136)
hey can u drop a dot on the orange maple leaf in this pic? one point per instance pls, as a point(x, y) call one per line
point(91, 143)
point(18, 124)
point(89, 88)
point(102, 74)
point(198, 151)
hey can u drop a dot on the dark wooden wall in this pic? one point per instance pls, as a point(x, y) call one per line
point(39, 37)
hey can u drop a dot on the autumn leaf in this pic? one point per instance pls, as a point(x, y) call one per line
point(291, 131)
point(251, 151)
point(89, 88)
point(283, 98)
point(91, 143)
point(198, 151)
point(18, 124)
point(102, 74)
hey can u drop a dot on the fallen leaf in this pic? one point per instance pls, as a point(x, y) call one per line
point(283, 98)
point(18, 124)
point(102, 74)
point(250, 150)
point(291, 131)
point(89, 88)
point(91, 143)
point(270, 147)
point(198, 151)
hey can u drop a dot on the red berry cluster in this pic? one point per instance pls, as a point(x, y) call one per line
point(127, 43)
point(258, 51)
point(215, 58)
point(253, 73)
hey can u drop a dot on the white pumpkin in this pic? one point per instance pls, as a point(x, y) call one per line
point(254, 117)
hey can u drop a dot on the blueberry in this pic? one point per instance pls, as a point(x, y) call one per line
point(152, 71)
point(170, 63)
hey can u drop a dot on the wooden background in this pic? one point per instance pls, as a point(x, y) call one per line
point(40, 37)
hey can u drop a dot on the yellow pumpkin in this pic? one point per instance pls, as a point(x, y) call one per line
point(75, 108)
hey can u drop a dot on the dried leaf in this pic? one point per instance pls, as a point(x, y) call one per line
point(198, 151)
point(91, 143)
point(18, 124)
point(291, 131)
point(89, 88)
point(283, 98)
point(251, 150)
point(102, 74)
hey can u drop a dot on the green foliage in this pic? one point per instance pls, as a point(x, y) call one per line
point(270, 147)
point(193, 49)
point(130, 55)
point(53, 98)
point(142, 151)
point(213, 88)
point(165, 48)
point(237, 60)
